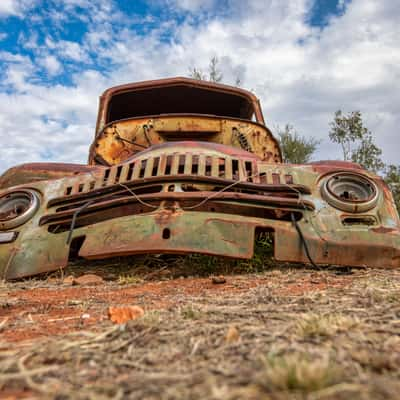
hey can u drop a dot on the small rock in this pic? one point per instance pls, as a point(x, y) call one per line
point(232, 335)
point(89, 279)
point(69, 280)
point(218, 280)
point(120, 315)
point(85, 316)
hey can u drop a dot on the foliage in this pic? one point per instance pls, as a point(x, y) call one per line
point(214, 73)
point(296, 149)
point(392, 178)
point(355, 140)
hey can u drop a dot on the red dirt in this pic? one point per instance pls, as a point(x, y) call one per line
point(43, 311)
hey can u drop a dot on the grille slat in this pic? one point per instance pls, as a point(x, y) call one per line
point(124, 173)
point(202, 165)
point(161, 165)
point(215, 166)
point(113, 174)
point(175, 164)
point(188, 164)
point(136, 169)
point(228, 168)
point(149, 168)
point(242, 171)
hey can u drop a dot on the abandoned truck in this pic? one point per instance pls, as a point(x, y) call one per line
point(187, 166)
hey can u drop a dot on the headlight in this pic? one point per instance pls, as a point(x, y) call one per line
point(350, 192)
point(18, 207)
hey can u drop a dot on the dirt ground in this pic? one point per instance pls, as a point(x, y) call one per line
point(280, 332)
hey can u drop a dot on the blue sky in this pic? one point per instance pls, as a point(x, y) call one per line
point(70, 21)
point(303, 58)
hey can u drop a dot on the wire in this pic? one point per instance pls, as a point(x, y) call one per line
point(211, 196)
point(120, 138)
point(303, 240)
point(131, 142)
point(136, 196)
point(76, 213)
point(215, 194)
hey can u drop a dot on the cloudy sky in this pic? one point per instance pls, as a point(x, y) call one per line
point(303, 58)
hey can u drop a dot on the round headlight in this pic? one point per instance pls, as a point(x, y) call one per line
point(350, 192)
point(18, 207)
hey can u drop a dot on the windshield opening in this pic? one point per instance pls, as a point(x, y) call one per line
point(179, 99)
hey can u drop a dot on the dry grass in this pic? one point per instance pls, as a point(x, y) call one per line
point(297, 372)
point(339, 338)
point(126, 279)
point(190, 312)
point(312, 325)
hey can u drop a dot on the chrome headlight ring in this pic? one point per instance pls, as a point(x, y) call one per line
point(18, 207)
point(350, 192)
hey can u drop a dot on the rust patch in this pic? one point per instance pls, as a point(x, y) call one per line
point(383, 229)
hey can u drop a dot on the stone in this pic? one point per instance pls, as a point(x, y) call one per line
point(89, 279)
point(69, 280)
point(218, 280)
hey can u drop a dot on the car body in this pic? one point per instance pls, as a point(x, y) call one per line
point(187, 166)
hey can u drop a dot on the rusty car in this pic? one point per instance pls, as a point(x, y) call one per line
point(186, 166)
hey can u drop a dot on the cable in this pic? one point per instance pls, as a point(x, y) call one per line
point(220, 191)
point(132, 142)
point(136, 196)
point(303, 240)
point(76, 213)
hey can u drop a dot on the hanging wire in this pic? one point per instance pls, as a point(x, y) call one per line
point(73, 222)
point(137, 197)
point(303, 240)
point(215, 194)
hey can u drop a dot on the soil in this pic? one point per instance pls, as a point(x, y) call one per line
point(43, 308)
point(281, 332)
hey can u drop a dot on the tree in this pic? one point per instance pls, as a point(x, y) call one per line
point(296, 149)
point(356, 140)
point(392, 178)
point(214, 73)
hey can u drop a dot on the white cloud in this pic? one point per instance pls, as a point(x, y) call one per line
point(51, 64)
point(194, 5)
point(302, 74)
point(8, 7)
point(14, 7)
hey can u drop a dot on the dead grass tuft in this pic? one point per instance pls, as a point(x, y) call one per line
point(191, 312)
point(129, 279)
point(313, 325)
point(297, 372)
